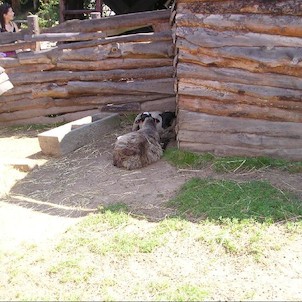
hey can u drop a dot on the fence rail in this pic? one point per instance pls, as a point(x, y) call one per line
point(97, 71)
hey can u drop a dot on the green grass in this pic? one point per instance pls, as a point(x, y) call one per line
point(216, 200)
point(163, 291)
point(191, 160)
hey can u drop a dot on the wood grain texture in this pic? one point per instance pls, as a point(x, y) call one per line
point(267, 24)
point(276, 7)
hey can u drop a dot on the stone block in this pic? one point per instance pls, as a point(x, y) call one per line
point(71, 136)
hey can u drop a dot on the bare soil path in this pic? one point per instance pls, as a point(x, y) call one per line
point(39, 206)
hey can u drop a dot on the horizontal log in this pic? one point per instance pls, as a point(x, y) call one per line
point(155, 49)
point(267, 24)
point(159, 49)
point(16, 46)
point(114, 64)
point(34, 57)
point(25, 103)
point(278, 7)
point(128, 107)
point(7, 99)
point(238, 76)
point(238, 110)
point(112, 22)
point(10, 37)
point(25, 114)
point(290, 154)
point(115, 99)
point(245, 140)
point(144, 37)
point(9, 62)
point(56, 37)
point(52, 90)
point(118, 74)
point(277, 56)
point(213, 38)
point(204, 122)
point(198, 91)
point(29, 68)
point(282, 65)
point(68, 117)
point(166, 104)
point(262, 92)
point(20, 90)
point(159, 27)
point(163, 86)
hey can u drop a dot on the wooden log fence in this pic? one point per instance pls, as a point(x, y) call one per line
point(239, 72)
point(93, 73)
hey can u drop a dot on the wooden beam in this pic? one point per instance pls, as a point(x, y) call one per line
point(113, 22)
point(268, 24)
point(278, 7)
point(110, 64)
point(235, 75)
point(61, 10)
point(195, 121)
point(191, 87)
point(163, 86)
point(213, 38)
point(117, 74)
point(53, 37)
point(223, 150)
point(143, 37)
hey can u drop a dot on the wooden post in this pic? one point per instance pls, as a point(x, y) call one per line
point(34, 29)
point(61, 11)
point(99, 6)
point(95, 15)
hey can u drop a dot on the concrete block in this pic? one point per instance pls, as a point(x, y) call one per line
point(73, 135)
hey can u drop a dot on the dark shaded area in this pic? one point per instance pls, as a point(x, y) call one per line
point(119, 7)
point(132, 6)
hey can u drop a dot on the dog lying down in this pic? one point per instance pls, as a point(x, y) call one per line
point(139, 148)
point(165, 125)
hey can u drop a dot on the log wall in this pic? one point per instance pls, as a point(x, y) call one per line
point(95, 72)
point(239, 71)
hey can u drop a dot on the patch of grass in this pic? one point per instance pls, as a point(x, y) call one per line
point(126, 244)
point(185, 292)
point(185, 159)
point(191, 160)
point(113, 215)
point(171, 224)
point(216, 200)
point(118, 207)
point(237, 237)
point(294, 227)
point(234, 164)
point(71, 271)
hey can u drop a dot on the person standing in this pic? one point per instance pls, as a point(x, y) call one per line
point(7, 25)
point(6, 19)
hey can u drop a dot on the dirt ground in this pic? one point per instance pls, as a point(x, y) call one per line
point(39, 205)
